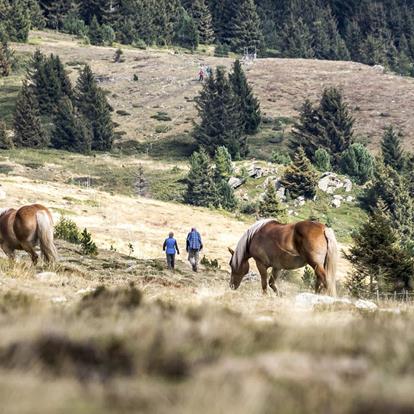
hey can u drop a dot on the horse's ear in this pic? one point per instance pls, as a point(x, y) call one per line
point(231, 251)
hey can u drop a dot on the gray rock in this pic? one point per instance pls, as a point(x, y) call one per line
point(47, 276)
point(235, 182)
point(348, 185)
point(336, 203)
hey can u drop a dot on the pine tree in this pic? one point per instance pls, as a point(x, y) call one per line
point(201, 189)
point(220, 119)
point(186, 34)
point(87, 244)
point(391, 148)
point(299, 177)
point(6, 59)
point(95, 32)
point(297, 39)
point(244, 27)
point(92, 104)
point(5, 140)
point(27, 126)
point(330, 126)
point(202, 18)
point(358, 163)
point(378, 261)
point(249, 104)
point(223, 163)
point(322, 160)
point(18, 22)
point(71, 132)
point(271, 206)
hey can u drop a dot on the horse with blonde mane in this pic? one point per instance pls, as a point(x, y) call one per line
point(286, 247)
point(26, 227)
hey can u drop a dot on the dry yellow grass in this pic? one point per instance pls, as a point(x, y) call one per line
point(167, 82)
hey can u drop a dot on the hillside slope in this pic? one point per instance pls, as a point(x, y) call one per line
point(167, 82)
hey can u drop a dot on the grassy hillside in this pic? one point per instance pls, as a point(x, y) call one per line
point(167, 83)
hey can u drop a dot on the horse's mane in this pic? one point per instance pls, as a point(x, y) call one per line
point(244, 242)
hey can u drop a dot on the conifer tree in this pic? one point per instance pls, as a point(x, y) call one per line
point(249, 104)
point(201, 189)
point(270, 206)
point(5, 140)
point(391, 148)
point(300, 178)
point(329, 126)
point(92, 104)
point(186, 34)
point(297, 39)
point(95, 32)
point(322, 160)
point(244, 27)
point(220, 119)
point(201, 15)
point(6, 59)
point(378, 260)
point(71, 132)
point(358, 163)
point(223, 163)
point(18, 22)
point(28, 130)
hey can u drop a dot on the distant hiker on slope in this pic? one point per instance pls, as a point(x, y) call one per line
point(171, 247)
point(201, 75)
point(193, 247)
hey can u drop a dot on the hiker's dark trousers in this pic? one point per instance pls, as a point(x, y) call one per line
point(171, 261)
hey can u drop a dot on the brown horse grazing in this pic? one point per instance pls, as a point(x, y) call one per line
point(22, 229)
point(286, 246)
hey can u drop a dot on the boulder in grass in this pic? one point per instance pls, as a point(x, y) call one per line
point(235, 182)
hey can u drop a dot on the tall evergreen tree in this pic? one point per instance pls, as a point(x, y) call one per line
point(300, 178)
point(92, 104)
point(249, 104)
point(297, 39)
point(201, 189)
point(6, 58)
point(378, 260)
point(244, 27)
point(202, 18)
point(223, 171)
point(95, 32)
point(186, 34)
point(358, 163)
point(391, 148)
point(223, 163)
point(28, 130)
point(220, 120)
point(329, 126)
point(71, 131)
point(18, 21)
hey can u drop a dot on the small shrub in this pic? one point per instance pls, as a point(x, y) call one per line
point(118, 56)
point(248, 207)
point(280, 157)
point(162, 129)
point(12, 302)
point(140, 44)
point(221, 50)
point(88, 245)
point(103, 300)
point(66, 229)
point(358, 163)
point(211, 264)
point(135, 79)
point(122, 112)
point(308, 278)
point(108, 34)
point(322, 160)
point(161, 116)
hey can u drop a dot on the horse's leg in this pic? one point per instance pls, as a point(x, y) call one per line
point(321, 281)
point(27, 246)
point(272, 280)
point(9, 252)
point(263, 273)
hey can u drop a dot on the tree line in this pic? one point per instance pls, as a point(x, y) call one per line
point(50, 112)
point(368, 31)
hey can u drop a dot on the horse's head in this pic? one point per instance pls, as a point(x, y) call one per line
point(237, 272)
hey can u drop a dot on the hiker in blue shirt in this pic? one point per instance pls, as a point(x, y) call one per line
point(193, 247)
point(170, 247)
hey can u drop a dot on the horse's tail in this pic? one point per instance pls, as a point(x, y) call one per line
point(45, 235)
point(331, 261)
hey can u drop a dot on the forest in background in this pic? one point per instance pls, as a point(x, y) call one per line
point(372, 32)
